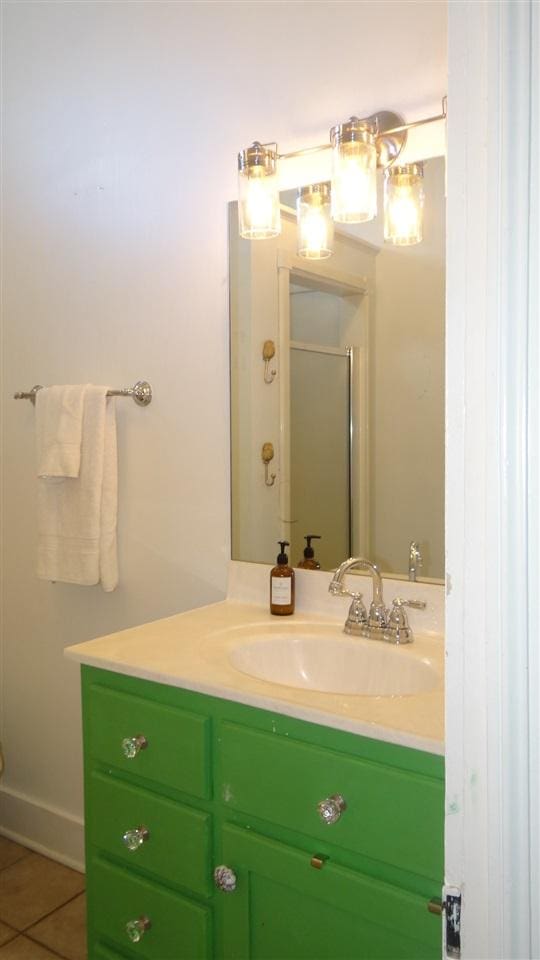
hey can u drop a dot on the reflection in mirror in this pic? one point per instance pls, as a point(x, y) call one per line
point(356, 410)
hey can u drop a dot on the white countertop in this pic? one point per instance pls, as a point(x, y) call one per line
point(191, 650)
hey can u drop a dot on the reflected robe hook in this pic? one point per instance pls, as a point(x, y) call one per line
point(269, 350)
point(267, 454)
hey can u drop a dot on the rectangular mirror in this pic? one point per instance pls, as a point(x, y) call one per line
point(337, 371)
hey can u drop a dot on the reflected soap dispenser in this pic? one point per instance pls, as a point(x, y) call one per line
point(309, 562)
point(282, 584)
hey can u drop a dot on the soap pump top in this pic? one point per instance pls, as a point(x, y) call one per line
point(309, 562)
point(282, 584)
point(282, 558)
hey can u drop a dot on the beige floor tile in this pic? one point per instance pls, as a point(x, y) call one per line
point(6, 933)
point(64, 930)
point(24, 949)
point(10, 852)
point(33, 887)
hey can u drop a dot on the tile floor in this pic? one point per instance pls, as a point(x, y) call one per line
point(42, 909)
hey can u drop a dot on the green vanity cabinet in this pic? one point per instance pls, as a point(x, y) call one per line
point(331, 842)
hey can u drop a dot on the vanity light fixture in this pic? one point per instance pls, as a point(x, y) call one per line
point(258, 201)
point(354, 171)
point(359, 146)
point(315, 224)
point(404, 204)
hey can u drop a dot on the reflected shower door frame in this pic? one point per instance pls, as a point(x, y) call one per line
point(328, 492)
point(323, 278)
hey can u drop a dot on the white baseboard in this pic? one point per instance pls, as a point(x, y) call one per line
point(47, 830)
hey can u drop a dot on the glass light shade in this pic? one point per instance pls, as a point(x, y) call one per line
point(354, 171)
point(258, 193)
point(315, 224)
point(404, 204)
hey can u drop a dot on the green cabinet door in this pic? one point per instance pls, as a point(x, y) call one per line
point(100, 952)
point(284, 907)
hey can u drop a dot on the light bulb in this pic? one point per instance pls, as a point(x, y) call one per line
point(404, 204)
point(315, 225)
point(354, 171)
point(258, 193)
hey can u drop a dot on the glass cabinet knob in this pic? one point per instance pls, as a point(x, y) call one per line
point(132, 745)
point(331, 808)
point(225, 879)
point(136, 929)
point(135, 838)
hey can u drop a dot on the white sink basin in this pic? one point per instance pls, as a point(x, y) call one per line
point(334, 663)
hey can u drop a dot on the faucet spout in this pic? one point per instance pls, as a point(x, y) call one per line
point(377, 581)
point(336, 585)
point(377, 620)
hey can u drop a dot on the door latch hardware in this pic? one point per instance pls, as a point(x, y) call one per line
point(451, 907)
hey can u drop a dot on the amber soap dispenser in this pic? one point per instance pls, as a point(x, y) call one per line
point(282, 584)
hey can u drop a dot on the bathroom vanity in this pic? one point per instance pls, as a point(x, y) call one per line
point(232, 817)
point(217, 783)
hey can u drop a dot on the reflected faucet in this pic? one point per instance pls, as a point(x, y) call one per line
point(381, 624)
point(415, 559)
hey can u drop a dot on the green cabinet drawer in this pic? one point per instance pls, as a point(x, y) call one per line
point(179, 930)
point(177, 751)
point(178, 845)
point(284, 908)
point(392, 816)
point(98, 951)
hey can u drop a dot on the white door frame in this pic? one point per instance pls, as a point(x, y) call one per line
point(493, 623)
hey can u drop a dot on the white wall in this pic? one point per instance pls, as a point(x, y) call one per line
point(121, 124)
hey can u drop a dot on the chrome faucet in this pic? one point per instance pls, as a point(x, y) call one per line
point(415, 559)
point(358, 620)
point(381, 624)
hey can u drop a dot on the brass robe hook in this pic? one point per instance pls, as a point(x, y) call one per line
point(267, 454)
point(269, 351)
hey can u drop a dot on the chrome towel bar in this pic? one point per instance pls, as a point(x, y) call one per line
point(141, 393)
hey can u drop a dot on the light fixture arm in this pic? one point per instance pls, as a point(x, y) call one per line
point(304, 152)
point(381, 121)
point(419, 123)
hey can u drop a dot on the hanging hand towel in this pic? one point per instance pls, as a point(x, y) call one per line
point(59, 413)
point(77, 516)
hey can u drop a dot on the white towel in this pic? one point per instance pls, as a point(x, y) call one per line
point(77, 516)
point(59, 413)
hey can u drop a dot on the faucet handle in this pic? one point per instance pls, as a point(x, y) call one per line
point(357, 615)
point(399, 630)
point(417, 604)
